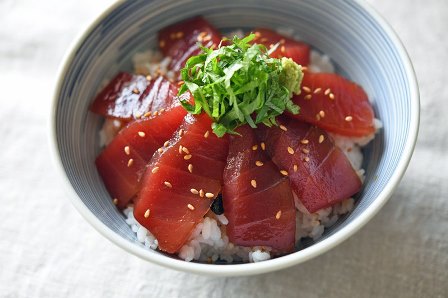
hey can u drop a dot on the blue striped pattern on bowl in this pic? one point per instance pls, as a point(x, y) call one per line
point(359, 42)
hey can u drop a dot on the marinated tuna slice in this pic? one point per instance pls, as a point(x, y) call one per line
point(257, 198)
point(129, 97)
point(319, 172)
point(335, 104)
point(122, 163)
point(180, 41)
point(118, 99)
point(181, 182)
point(159, 95)
point(296, 50)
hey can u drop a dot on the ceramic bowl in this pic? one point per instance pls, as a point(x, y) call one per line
point(360, 43)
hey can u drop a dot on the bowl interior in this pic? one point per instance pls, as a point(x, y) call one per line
point(344, 30)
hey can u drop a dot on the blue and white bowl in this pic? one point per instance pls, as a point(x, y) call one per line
point(359, 41)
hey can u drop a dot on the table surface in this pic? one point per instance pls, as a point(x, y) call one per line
point(48, 250)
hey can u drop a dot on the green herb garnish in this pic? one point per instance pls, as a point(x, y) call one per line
point(239, 84)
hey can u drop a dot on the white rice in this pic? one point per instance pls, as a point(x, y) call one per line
point(209, 242)
point(109, 130)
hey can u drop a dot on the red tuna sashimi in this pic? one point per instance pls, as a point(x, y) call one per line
point(122, 163)
point(290, 48)
point(160, 94)
point(180, 41)
point(118, 98)
point(335, 104)
point(319, 172)
point(129, 96)
point(258, 200)
point(181, 183)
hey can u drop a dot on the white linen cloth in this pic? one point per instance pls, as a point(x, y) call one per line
point(48, 250)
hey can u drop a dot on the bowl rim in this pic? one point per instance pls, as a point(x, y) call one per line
point(247, 268)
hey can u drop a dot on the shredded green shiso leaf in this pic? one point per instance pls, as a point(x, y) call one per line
point(239, 84)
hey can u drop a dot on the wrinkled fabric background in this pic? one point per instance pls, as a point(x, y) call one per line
point(48, 250)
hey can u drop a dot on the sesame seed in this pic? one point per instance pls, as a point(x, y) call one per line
point(206, 134)
point(160, 150)
point(180, 149)
point(207, 38)
point(161, 111)
point(271, 45)
point(138, 115)
point(148, 77)
point(304, 141)
point(257, 34)
point(284, 173)
point(155, 113)
point(308, 97)
point(317, 90)
point(181, 132)
point(264, 39)
point(147, 213)
point(327, 91)
point(282, 41)
point(141, 134)
point(306, 151)
point(253, 182)
point(127, 150)
point(258, 163)
point(307, 159)
point(187, 157)
point(317, 117)
point(147, 114)
point(136, 91)
point(130, 162)
point(179, 34)
point(185, 149)
point(254, 147)
point(209, 195)
point(278, 215)
point(263, 146)
point(194, 191)
point(348, 118)
point(290, 150)
point(282, 127)
point(201, 193)
point(321, 138)
point(115, 201)
point(162, 43)
point(154, 170)
point(295, 168)
point(190, 168)
point(282, 49)
point(180, 83)
point(331, 96)
point(306, 89)
point(167, 184)
point(191, 207)
point(322, 114)
point(166, 144)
